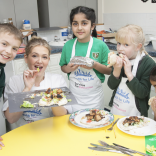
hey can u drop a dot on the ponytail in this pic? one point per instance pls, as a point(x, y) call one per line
point(94, 33)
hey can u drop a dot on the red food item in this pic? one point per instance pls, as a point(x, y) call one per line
point(88, 121)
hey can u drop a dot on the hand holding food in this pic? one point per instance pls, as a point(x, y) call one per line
point(112, 59)
point(29, 77)
point(152, 102)
point(72, 67)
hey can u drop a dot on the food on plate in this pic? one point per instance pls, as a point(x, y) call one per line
point(133, 122)
point(27, 104)
point(95, 117)
point(112, 58)
point(51, 97)
point(151, 99)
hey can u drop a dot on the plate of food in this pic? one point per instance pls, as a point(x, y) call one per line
point(51, 97)
point(91, 118)
point(137, 125)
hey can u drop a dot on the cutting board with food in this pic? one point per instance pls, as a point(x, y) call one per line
point(52, 97)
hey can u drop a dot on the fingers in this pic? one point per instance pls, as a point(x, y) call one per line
point(30, 73)
point(1, 144)
point(1, 138)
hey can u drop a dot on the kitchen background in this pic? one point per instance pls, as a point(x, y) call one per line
point(46, 16)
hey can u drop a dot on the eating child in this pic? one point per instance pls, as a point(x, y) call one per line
point(130, 76)
point(37, 56)
point(85, 82)
point(10, 41)
point(153, 82)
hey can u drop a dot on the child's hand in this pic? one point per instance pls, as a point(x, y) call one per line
point(153, 105)
point(1, 144)
point(119, 63)
point(29, 77)
point(127, 68)
point(72, 67)
point(117, 67)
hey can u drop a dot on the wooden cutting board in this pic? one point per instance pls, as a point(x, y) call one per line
point(109, 35)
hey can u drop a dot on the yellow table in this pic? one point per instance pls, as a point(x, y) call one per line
point(56, 136)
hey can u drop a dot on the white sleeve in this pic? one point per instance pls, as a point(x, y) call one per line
point(62, 81)
point(14, 85)
point(68, 108)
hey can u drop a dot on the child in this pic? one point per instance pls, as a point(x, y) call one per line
point(87, 89)
point(130, 77)
point(10, 41)
point(37, 56)
point(153, 82)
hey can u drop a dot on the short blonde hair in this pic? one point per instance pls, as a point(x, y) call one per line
point(12, 30)
point(36, 41)
point(131, 33)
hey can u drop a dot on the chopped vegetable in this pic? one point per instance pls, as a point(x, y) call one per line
point(41, 93)
point(38, 69)
point(26, 104)
point(69, 100)
point(151, 149)
point(44, 99)
point(32, 96)
point(88, 121)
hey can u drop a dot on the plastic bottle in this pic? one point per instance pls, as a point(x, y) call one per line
point(26, 25)
point(10, 21)
point(70, 33)
point(5, 21)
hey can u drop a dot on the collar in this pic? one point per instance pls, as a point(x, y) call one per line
point(2, 65)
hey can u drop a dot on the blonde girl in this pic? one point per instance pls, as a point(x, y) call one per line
point(37, 56)
point(130, 76)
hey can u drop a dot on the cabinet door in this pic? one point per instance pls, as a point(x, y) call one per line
point(19, 66)
point(75, 3)
point(58, 12)
point(93, 4)
point(26, 9)
point(53, 65)
point(7, 10)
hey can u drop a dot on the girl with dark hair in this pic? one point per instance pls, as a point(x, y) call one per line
point(85, 82)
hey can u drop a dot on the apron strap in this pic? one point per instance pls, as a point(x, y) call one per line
point(136, 62)
point(89, 47)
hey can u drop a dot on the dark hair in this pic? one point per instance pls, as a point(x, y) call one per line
point(153, 74)
point(11, 29)
point(90, 15)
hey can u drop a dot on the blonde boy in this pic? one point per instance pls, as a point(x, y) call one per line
point(10, 41)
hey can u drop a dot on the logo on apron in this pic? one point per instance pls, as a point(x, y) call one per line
point(95, 54)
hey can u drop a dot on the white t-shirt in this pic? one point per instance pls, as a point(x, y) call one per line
point(16, 84)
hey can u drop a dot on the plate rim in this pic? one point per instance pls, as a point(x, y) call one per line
point(130, 133)
point(87, 109)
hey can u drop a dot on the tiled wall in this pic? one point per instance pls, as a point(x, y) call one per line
point(116, 20)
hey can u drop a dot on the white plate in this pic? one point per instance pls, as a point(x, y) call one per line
point(144, 131)
point(76, 117)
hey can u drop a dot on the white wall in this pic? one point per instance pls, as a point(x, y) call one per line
point(128, 6)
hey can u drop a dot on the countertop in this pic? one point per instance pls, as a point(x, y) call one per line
point(111, 46)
